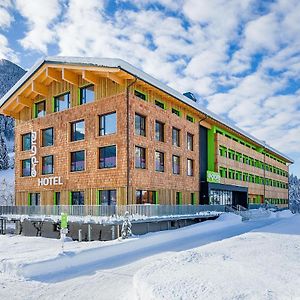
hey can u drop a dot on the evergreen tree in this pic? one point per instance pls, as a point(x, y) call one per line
point(294, 193)
point(4, 159)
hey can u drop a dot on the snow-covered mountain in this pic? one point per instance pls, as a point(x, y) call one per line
point(10, 73)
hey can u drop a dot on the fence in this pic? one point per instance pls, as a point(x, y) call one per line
point(110, 210)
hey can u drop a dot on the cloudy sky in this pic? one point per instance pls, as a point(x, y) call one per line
point(240, 57)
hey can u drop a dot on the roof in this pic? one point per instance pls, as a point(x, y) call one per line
point(119, 63)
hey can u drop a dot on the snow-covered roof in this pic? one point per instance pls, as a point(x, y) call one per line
point(119, 63)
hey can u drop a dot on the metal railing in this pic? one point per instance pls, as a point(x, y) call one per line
point(110, 210)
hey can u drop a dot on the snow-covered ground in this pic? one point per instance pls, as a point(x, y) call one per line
point(211, 260)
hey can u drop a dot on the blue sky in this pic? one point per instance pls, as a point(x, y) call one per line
point(241, 58)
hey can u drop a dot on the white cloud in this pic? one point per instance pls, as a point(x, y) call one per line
point(5, 51)
point(39, 15)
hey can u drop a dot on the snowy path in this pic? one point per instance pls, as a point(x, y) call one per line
point(107, 272)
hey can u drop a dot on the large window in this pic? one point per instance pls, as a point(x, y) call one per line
point(190, 167)
point(40, 109)
point(159, 161)
point(26, 142)
point(47, 137)
point(175, 137)
point(140, 157)
point(77, 161)
point(108, 197)
point(178, 198)
point(176, 164)
point(190, 141)
point(47, 165)
point(77, 131)
point(26, 167)
point(143, 197)
point(34, 199)
point(159, 131)
point(108, 124)
point(62, 102)
point(87, 94)
point(140, 125)
point(77, 198)
point(107, 157)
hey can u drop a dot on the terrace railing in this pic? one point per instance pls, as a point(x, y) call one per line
point(110, 210)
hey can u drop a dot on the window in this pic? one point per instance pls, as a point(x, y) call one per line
point(193, 199)
point(176, 164)
point(159, 131)
point(140, 158)
point(159, 161)
point(107, 157)
point(47, 165)
point(77, 131)
point(87, 94)
point(190, 167)
point(77, 198)
point(62, 102)
point(26, 142)
point(108, 197)
point(178, 198)
point(40, 109)
point(108, 124)
point(140, 125)
point(175, 137)
point(56, 198)
point(143, 197)
point(47, 137)
point(34, 199)
point(190, 119)
point(26, 167)
point(190, 141)
point(160, 104)
point(176, 112)
point(140, 95)
point(77, 161)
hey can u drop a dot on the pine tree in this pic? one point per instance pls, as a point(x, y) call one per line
point(4, 159)
point(294, 193)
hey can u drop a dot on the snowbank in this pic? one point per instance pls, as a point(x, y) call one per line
point(264, 264)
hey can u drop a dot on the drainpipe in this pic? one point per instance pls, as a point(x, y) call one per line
point(127, 136)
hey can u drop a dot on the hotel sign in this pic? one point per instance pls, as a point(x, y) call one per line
point(213, 177)
point(44, 181)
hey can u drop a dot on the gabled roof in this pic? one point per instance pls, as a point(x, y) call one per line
point(123, 65)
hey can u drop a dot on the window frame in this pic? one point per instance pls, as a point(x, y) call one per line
point(190, 174)
point(178, 140)
point(71, 161)
point(103, 124)
point(173, 166)
point(142, 165)
point(22, 167)
point(161, 168)
point(43, 131)
point(80, 94)
point(52, 170)
point(36, 111)
point(23, 142)
point(56, 107)
point(72, 131)
point(100, 166)
point(187, 141)
point(159, 135)
point(140, 131)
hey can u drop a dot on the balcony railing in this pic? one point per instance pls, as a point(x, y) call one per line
point(110, 210)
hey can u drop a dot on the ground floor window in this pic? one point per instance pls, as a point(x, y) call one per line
point(220, 197)
point(56, 198)
point(178, 198)
point(144, 197)
point(108, 197)
point(34, 199)
point(77, 198)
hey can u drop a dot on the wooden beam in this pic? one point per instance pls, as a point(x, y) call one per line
point(115, 78)
point(85, 67)
point(9, 113)
point(90, 77)
point(54, 74)
point(19, 108)
point(39, 88)
point(25, 101)
point(124, 75)
point(12, 105)
point(69, 76)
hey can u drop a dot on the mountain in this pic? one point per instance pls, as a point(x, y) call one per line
point(10, 73)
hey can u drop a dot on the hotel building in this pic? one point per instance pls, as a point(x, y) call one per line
point(100, 131)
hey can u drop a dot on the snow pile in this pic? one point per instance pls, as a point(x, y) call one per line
point(263, 264)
